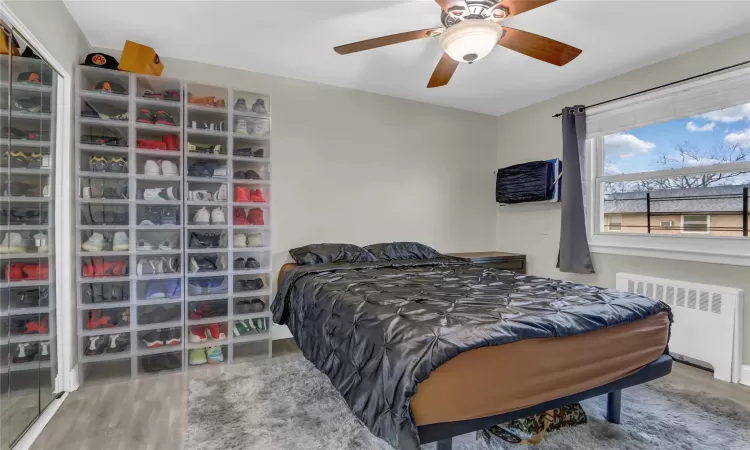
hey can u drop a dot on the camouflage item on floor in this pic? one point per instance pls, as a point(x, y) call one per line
point(536, 425)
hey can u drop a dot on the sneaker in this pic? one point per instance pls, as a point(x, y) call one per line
point(152, 339)
point(217, 217)
point(172, 95)
point(149, 266)
point(117, 164)
point(16, 159)
point(254, 240)
point(13, 243)
point(197, 356)
point(171, 142)
point(259, 107)
point(252, 263)
point(154, 95)
point(169, 216)
point(145, 116)
point(145, 245)
point(205, 240)
point(239, 264)
point(200, 169)
point(203, 264)
point(44, 351)
point(40, 240)
point(169, 168)
point(241, 328)
point(255, 216)
point(216, 285)
point(249, 306)
point(152, 168)
point(241, 194)
point(173, 288)
point(239, 217)
point(256, 196)
point(171, 264)
point(222, 194)
point(200, 195)
point(216, 331)
point(215, 355)
point(202, 217)
point(95, 243)
point(219, 171)
point(172, 336)
point(240, 240)
point(118, 343)
point(240, 126)
point(155, 289)
point(240, 105)
point(164, 118)
point(95, 345)
point(170, 193)
point(166, 245)
point(98, 163)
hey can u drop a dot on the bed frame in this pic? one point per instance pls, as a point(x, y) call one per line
point(443, 433)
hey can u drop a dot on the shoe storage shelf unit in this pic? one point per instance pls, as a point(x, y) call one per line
point(27, 300)
point(174, 257)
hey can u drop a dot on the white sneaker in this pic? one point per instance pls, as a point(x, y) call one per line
point(45, 191)
point(169, 168)
point(13, 243)
point(193, 265)
point(202, 195)
point(120, 242)
point(40, 240)
point(151, 168)
point(45, 161)
point(166, 245)
point(144, 245)
point(148, 266)
point(86, 192)
point(254, 240)
point(217, 217)
point(95, 243)
point(222, 194)
point(240, 126)
point(240, 240)
point(220, 172)
point(202, 217)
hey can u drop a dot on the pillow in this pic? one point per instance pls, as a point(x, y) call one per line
point(402, 250)
point(329, 253)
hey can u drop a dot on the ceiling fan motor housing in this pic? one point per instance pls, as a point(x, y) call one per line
point(471, 39)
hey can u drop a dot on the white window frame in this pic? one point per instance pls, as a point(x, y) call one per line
point(618, 117)
point(708, 224)
point(670, 222)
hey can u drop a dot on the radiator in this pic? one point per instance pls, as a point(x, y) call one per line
point(707, 320)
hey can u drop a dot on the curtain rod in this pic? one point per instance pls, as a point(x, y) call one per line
point(663, 86)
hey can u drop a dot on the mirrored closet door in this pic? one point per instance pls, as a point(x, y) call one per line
point(28, 353)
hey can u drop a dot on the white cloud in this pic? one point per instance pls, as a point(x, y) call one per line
point(612, 169)
point(741, 138)
point(692, 127)
point(728, 115)
point(702, 162)
point(626, 144)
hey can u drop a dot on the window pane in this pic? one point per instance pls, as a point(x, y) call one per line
point(717, 137)
point(714, 209)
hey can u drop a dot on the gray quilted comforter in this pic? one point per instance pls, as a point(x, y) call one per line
point(377, 329)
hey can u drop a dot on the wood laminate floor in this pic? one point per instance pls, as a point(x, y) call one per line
point(152, 413)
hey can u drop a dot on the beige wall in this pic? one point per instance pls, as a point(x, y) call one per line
point(532, 134)
point(721, 224)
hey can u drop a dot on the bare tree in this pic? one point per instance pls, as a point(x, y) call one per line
point(687, 155)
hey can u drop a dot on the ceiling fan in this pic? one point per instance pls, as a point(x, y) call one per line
point(471, 29)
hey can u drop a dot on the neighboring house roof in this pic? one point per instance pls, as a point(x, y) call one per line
point(708, 199)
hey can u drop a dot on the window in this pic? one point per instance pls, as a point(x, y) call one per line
point(615, 222)
point(695, 224)
point(670, 170)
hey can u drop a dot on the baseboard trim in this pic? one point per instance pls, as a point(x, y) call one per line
point(36, 429)
point(745, 375)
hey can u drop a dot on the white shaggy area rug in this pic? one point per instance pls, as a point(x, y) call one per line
point(291, 405)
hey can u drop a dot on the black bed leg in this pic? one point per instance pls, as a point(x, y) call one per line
point(614, 401)
point(445, 444)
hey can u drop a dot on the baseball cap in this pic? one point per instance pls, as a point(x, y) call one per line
point(101, 60)
point(33, 78)
point(111, 87)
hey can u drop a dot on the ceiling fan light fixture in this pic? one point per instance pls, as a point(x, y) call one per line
point(470, 40)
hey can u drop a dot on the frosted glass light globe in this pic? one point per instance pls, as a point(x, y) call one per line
point(470, 40)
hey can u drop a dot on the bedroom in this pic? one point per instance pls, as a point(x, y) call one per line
point(364, 153)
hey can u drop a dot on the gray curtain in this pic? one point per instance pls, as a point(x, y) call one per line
point(574, 253)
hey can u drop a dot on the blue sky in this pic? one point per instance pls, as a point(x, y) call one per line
point(713, 135)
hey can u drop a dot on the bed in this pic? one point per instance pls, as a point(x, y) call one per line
point(430, 349)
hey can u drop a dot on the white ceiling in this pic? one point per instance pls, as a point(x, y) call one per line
point(296, 39)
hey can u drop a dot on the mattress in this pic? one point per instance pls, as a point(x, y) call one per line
point(488, 381)
point(419, 342)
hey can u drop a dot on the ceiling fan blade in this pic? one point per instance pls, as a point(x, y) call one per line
point(516, 7)
point(443, 72)
point(455, 8)
point(539, 47)
point(387, 40)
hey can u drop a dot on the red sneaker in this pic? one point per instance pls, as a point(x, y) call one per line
point(94, 269)
point(256, 196)
point(150, 144)
point(172, 142)
point(239, 217)
point(34, 327)
point(241, 194)
point(216, 332)
point(99, 319)
point(36, 271)
point(198, 334)
point(255, 216)
point(14, 272)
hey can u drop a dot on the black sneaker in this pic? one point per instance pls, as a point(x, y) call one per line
point(252, 263)
point(25, 352)
point(16, 159)
point(205, 240)
point(203, 264)
point(152, 363)
point(258, 153)
point(31, 298)
point(172, 336)
point(248, 306)
point(118, 164)
point(200, 169)
point(254, 284)
point(118, 343)
point(239, 264)
point(247, 151)
point(169, 216)
point(152, 216)
point(95, 345)
point(98, 163)
point(152, 339)
point(171, 361)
